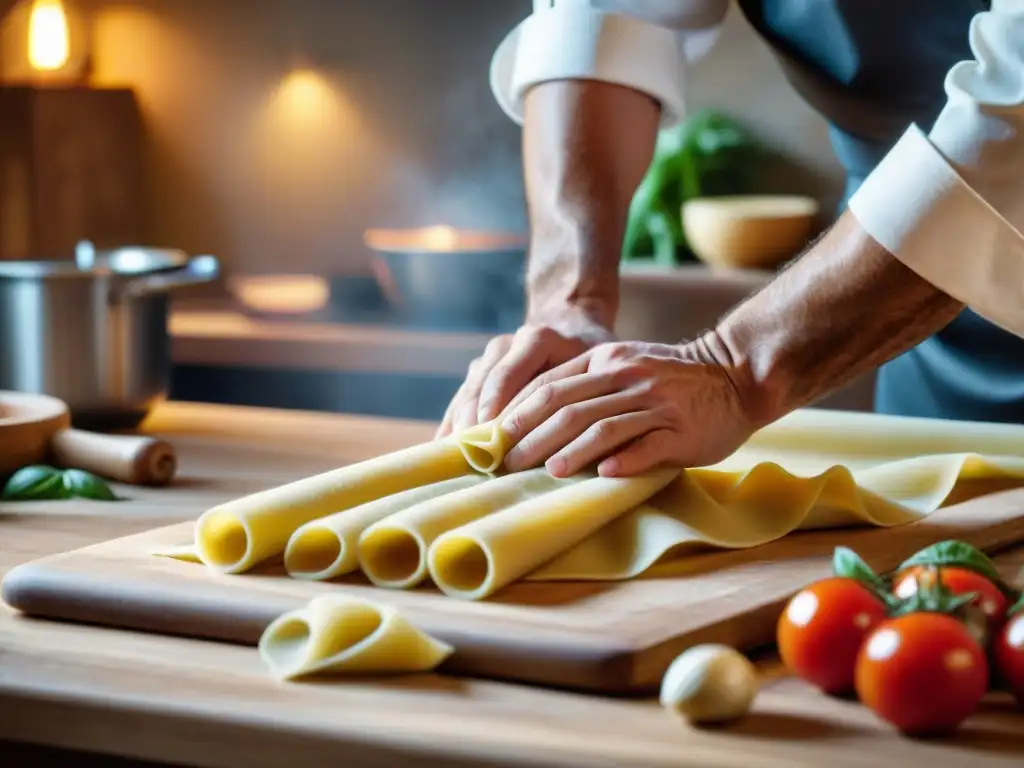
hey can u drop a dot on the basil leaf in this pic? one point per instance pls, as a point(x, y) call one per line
point(34, 483)
point(85, 485)
point(958, 554)
point(848, 564)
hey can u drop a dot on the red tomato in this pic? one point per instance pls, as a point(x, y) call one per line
point(960, 581)
point(922, 672)
point(821, 630)
point(1008, 653)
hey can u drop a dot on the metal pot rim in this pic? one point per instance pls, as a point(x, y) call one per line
point(128, 261)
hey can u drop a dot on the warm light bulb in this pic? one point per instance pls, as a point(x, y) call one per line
point(48, 36)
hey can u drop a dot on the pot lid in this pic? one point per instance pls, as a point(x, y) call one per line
point(88, 262)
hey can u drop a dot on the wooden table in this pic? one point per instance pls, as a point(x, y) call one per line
point(200, 703)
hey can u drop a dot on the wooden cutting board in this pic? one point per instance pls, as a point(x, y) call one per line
point(612, 638)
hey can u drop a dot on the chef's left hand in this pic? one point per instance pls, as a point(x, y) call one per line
point(629, 407)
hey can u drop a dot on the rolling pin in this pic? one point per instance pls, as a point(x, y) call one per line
point(132, 459)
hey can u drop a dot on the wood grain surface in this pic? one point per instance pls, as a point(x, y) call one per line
point(75, 165)
point(613, 637)
point(194, 702)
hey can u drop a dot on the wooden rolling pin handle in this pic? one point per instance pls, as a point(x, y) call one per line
point(136, 460)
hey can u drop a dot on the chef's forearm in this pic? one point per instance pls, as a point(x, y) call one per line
point(843, 309)
point(586, 147)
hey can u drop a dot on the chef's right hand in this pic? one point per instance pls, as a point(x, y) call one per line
point(509, 363)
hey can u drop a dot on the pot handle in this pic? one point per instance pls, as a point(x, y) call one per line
point(199, 269)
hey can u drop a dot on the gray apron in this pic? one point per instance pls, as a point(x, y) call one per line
point(871, 68)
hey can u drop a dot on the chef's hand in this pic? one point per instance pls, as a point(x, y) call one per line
point(630, 407)
point(512, 361)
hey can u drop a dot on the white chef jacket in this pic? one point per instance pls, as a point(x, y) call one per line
point(949, 204)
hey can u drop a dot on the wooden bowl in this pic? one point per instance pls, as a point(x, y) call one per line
point(281, 295)
point(750, 231)
point(26, 424)
point(36, 429)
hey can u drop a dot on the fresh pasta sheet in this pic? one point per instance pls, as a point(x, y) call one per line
point(444, 512)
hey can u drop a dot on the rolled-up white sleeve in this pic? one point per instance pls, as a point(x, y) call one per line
point(644, 45)
point(950, 204)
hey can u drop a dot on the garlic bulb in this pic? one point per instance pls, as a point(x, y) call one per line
point(709, 683)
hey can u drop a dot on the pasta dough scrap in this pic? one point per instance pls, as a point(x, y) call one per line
point(475, 560)
point(336, 634)
point(328, 547)
point(185, 552)
point(393, 552)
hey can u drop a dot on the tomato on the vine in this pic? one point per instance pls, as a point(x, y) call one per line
point(960, 581)
point(821, 630)
point(1008, 653)
point(922, 672)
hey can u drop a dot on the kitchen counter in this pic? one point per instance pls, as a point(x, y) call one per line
point(222, 353)
point(220, 332)
point(194, 702)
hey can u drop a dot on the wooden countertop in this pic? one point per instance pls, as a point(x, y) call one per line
point(201, 703)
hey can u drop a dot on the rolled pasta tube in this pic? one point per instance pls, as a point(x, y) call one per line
point(340, 634)
point(479, 558)
point(328, 547)
point(235, 536)
point(393, 552)
point(484, 446)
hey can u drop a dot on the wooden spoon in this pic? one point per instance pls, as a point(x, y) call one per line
point(37, 428)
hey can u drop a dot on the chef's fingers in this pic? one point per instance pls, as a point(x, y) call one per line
point(556, 414)
point(468, 391)
point(528, 355)
point(602, 439)
point(569, 425)
point(655, 449)
point(466, 402)
point(445, 427)
point(577, 366)
point(454, 406)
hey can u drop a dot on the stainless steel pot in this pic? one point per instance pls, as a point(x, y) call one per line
point(93, 331)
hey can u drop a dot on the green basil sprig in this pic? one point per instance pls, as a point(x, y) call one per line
point(85, 485)
point(35, 483)
point(45, 483)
